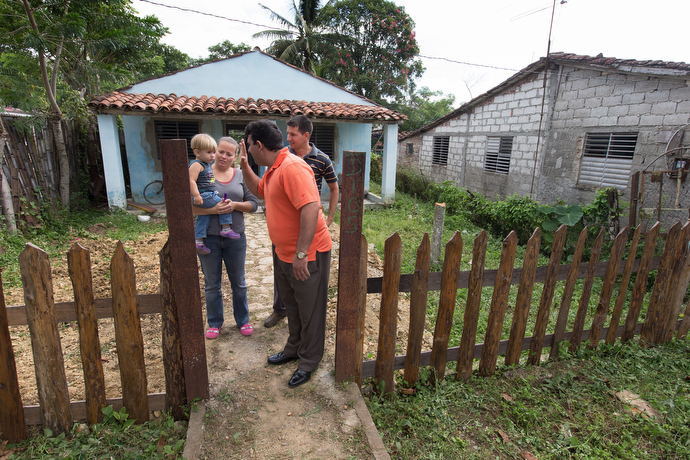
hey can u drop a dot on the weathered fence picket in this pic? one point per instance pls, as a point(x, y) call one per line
point(128, 337)
point(662, 318)
point(579, 324)
point(623, 288)
point(446, 304)
point(51, 382)
point(640, 283)
point(568, 290)
point(389, 313)
point(474, 300)
point(79, 265)
point(524, 299)
point(537, 341)
point(11, 413)
point(607, 289)
point(418, 304)
point(499, 304)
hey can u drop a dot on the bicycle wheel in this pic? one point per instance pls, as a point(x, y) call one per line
point(153, 192)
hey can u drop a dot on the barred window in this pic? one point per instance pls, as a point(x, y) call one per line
point(607, 159)
point(498, 154)
point(323, 137)
point(176, 130)
point(410, 149)
point(440, 154)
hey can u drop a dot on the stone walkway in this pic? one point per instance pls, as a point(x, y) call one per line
point(252, 413)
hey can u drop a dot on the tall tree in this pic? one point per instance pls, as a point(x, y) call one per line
point(296, 43)
point(78, 47)
point(422, 107)
point(222, 50)
point(371, 48)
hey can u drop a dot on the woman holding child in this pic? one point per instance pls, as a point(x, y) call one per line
point(230, 184)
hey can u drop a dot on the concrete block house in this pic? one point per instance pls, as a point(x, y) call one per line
point(563, 128)
point(219, 99)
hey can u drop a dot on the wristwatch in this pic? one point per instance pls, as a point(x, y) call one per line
point(301, 255)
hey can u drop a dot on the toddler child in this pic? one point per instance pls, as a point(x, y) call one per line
point(201, 182)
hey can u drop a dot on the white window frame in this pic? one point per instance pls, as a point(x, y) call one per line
point(607, 159)
point(440, 150)
point(498, 151)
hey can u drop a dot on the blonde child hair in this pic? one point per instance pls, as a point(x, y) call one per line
point(203, 142)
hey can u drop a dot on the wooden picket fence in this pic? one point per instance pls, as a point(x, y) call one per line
point(659, 325)
point(42, 314)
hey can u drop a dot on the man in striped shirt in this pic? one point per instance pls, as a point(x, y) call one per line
point(299, 129)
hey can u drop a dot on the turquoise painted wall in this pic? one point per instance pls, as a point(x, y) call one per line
point(354, 137)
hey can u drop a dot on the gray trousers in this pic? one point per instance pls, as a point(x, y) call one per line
point(306, 304)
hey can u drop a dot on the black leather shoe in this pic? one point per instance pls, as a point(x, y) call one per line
point(280, 358)
point(299, 377)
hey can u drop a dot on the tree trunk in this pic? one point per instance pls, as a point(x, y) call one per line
point(63, 160)
point(7, 206)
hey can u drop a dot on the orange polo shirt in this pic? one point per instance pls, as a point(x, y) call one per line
point(286, 187)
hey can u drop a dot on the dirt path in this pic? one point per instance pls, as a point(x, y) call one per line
point(252, 413)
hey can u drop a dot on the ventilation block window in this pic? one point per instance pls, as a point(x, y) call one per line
point(440, 154)
point(176, 130)
point(323, 137)
point(498, 154)
point(607, 159)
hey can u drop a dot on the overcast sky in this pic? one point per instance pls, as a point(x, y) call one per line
point(487, 40)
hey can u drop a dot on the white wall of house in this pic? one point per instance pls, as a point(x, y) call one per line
point(580, 102)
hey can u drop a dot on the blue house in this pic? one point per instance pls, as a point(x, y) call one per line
point(219, 99)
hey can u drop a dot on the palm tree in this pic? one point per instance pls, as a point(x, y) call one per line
point(295, 42)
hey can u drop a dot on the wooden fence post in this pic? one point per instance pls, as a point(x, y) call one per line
point(579, 324)
point(634, 198)
point(524, 299)
point(185, 265)
point(499, 303)
point(128, 337)
point(392, 262)
point(51, 382)
point(361, 308)
point(612, 333)
point(79, 265)
point(351, 215)
point(446, 305)
point(656, 300)
point(437, 232)
point(12, 425)
point(537, 342)
point(418, 304)
point(175, 385)
point(568, 289)
point(640, 283)
point(471, 317)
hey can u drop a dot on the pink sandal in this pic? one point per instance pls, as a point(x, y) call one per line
point(212, 332)
point(247, 329)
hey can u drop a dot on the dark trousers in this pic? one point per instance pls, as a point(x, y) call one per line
point(305, 303)
point(278, 306)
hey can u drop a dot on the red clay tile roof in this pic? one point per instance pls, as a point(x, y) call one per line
point(601, 60)
point(172, 103)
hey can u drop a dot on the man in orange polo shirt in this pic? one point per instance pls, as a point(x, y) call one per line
point(298, 230)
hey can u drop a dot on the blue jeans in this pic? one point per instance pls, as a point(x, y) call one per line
point(201, 226)
point(233, 253)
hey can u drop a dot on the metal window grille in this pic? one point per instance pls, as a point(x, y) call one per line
point(323, 137)
point(607, 159)
point(176, 130)
point(440, 153)
point(498, 151)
